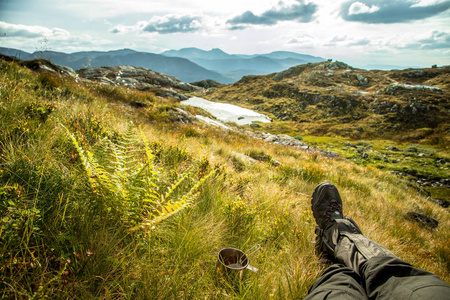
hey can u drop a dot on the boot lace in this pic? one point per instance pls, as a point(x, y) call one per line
point(334, 207)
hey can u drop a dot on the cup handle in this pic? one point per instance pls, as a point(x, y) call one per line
point(256, 247)
point(253, 269)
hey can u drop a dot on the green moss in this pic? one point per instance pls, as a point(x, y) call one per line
point(439, 192)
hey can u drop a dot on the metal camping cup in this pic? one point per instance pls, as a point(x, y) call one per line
point(231, 260)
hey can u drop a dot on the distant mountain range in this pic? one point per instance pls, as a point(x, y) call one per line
point(188, 64)
point(235, 65)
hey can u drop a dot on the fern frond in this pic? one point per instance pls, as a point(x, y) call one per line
point(201, 181)
point(94, 171)
point(170, 208)
point(167, 211)
point(148, 153)
point(180, 179)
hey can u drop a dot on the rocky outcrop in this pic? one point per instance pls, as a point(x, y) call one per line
point(139, 78)
point(441, 202)
point(396, 88)
point(337, 98)
point(415, 74)
point(207, 84)
point(131, 77)
point(282, 90)
point(337, 65)
point(294, 71)
point(286, 140)
point(422, 219)
point(42, 65)
point(362, 80)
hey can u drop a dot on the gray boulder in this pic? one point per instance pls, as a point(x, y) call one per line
point(362, 80)
point(422, 219)
point(396, 88)
point(44, 65)
point(337, 65)
point(415, 74)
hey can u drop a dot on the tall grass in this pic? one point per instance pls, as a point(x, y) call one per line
point(68, 199)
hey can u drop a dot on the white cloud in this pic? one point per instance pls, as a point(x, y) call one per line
point(123, 29)
point(436, 40)
point(163, 24)
point(390, 12)
point(340, 38)
point(31, 38)
point(360, 43)
point(360, 8)
point(173, 24)
point(298, 11)
point(25, 31)
point(301, 38)
point(424, 3)
point(114, 8)
point(393, 26)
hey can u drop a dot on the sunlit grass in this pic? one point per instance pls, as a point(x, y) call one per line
point(55, 242)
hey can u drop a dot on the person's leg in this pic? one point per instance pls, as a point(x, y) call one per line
point(393, 278)
point(383, 273)
point(337, 282)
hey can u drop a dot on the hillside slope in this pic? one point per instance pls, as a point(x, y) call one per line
point(424, 165)
point(332, 98)
point(104, 199)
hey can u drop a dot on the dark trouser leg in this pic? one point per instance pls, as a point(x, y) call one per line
point(337, 282)
point(392, 278)
point(384, 275)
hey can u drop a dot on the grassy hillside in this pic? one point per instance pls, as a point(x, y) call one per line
point(103, 199)
point(334, 99)
point(331, 105)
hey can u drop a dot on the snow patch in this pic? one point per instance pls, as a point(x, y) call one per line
point(228, 112)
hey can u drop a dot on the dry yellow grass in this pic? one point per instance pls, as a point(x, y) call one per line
point(249, 203)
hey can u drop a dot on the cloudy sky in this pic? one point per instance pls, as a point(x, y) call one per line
point(358, 32)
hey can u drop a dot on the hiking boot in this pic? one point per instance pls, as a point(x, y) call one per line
point(326, 240)
point(326, 204)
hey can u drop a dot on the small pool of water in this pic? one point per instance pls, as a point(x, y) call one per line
point(228, 112)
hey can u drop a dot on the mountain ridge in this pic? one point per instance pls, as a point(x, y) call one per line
point(188, 64)
point(238, 65)
point(181, 68)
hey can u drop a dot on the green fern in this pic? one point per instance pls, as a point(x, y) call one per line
point(170, 207)
point(124, 175)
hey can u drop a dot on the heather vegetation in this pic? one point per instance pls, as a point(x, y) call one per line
point(103, 198)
